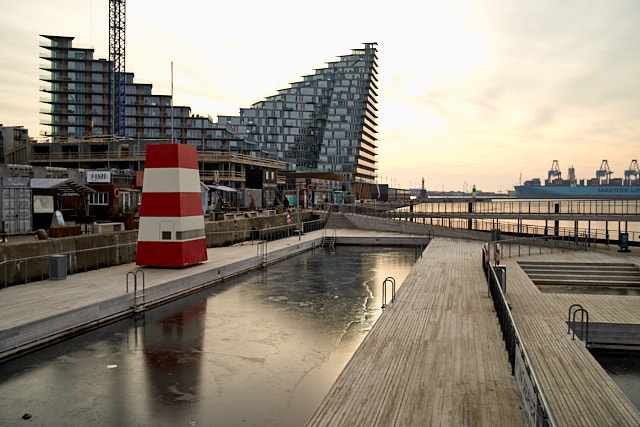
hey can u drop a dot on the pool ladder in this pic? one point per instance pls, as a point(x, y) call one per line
point(584, 323)
point(388, 281)
point(329, 241)
point(138, 295)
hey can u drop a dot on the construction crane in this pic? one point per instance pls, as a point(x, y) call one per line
point(554, 172)
point(633, 171)
point(604, 173)
point(117, 70)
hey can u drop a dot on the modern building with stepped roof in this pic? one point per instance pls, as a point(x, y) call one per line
point(324, 123)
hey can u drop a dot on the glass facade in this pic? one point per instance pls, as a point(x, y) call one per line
point(326, 122)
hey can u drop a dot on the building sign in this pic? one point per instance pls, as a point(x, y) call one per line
point(98, 177)
point(42, 204)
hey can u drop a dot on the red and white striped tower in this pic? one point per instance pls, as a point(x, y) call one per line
point(171, 230)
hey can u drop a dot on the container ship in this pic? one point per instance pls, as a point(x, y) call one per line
point(603, 186)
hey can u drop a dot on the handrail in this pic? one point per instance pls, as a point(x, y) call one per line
point(458, 218)
point(68, 254)
point(272, 233)
point(392, 281)
point(511, 339)
point(584, 326)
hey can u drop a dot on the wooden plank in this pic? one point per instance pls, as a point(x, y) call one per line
point(577, 388)
point(446, 339)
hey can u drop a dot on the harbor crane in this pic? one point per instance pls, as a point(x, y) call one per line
point(632, 172)
point(554, 172)
point(604, 173)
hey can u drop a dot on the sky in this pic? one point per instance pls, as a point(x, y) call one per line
point(485, 92)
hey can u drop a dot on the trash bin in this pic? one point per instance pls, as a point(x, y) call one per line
point(57, 267)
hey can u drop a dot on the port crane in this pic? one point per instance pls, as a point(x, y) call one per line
point(633, 171)
point(554, 172)
point(604, 173)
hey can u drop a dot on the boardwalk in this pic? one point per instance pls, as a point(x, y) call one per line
point(435, 356)
point(578, 390)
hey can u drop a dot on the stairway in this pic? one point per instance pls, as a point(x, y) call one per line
point(338, 220)
point(599, 277)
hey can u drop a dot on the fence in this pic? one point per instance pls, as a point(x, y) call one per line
point(535, 406)
point(449, 220)
point(29, 269)
point(24, 270)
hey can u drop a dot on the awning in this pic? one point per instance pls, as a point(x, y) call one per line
point(223, 188)
point(62, 185)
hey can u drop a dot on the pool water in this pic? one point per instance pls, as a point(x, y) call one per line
point(258, 350)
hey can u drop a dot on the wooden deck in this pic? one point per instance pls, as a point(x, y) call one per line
point(578, 390)
point(434, 357)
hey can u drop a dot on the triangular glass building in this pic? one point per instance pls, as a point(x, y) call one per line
point(326, 122)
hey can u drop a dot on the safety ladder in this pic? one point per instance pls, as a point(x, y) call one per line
point(584, 323)
point(138, 293)
point(262, 252)
point(388, 281)
point(329, 241)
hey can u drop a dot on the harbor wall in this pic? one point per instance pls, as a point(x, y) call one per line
point(381, 224)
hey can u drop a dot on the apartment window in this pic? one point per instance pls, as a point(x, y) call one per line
point(99, 199)
point(152, 122)
point(151, 111)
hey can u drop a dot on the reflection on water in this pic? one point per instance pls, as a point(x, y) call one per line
point(261, 349)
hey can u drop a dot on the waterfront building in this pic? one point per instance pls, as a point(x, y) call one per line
point(12, 142)
point(326, 122)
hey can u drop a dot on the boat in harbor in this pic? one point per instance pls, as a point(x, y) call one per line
point(600, 187)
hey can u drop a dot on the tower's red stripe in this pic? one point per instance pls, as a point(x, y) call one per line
point(171, 204)
point(171, 156)
point(171, 254)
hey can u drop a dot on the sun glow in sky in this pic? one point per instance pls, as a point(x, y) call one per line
point(470, 92)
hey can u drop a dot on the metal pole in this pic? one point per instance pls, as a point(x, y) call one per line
point(298, 212)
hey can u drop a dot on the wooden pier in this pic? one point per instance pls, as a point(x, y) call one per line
point(577, 389)
point(434, 357)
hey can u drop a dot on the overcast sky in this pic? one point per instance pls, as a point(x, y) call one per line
point(471, 92)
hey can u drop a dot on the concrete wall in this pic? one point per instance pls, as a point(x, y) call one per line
point(219, 233)
point(380, 224)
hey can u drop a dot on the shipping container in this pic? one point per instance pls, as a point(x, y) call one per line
point(16, 205)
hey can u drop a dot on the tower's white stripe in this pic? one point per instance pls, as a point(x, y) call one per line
point(171, 180)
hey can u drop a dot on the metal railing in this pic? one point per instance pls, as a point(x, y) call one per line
point(36, 268)
point(584, 324)
point(459, 220)
point(29, 269)
point(516, 349)
point(540, 244)
point(388, 281)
